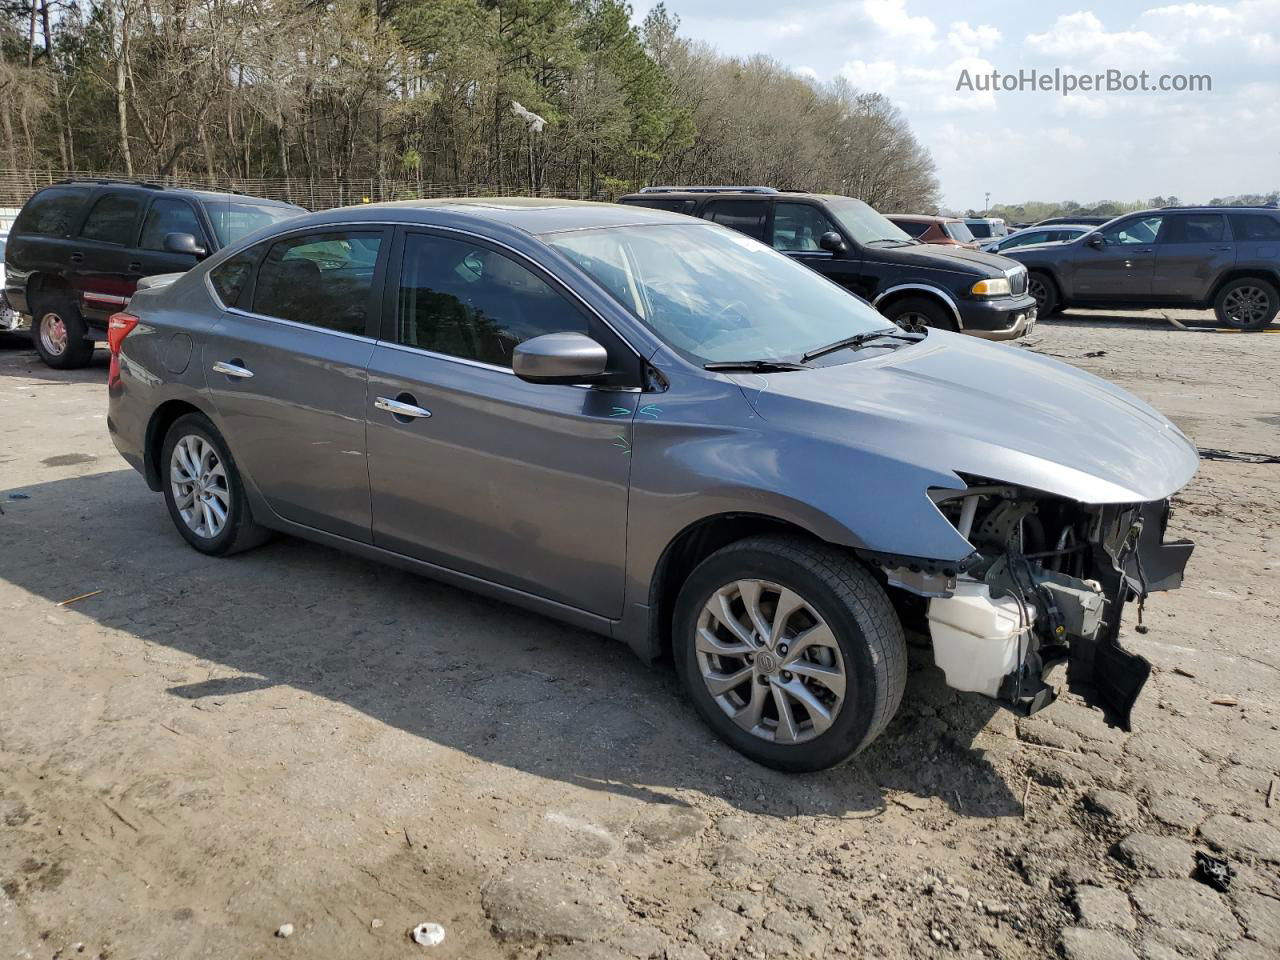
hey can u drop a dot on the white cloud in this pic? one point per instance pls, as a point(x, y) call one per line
point(967, 39)
point(891, 16)
point(1082, 34)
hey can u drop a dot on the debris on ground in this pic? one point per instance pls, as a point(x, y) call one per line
point(285, 931)
point(1213, 871)
point(83, 596)
point(427, 934)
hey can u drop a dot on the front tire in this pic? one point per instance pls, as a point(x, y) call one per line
point(59, 333)
point(790, 651)
point(915, 314)
point(1041, 286)
point(203, 490)
point(1247, 304)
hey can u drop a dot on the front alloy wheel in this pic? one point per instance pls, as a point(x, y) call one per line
point(770, 662)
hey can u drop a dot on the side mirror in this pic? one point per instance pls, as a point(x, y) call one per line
point(183, 243)
point(832, 241)
point(559, 358)
point(1097, 241)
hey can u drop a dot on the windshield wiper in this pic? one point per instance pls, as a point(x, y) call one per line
point(857, 340)
point(753, 366)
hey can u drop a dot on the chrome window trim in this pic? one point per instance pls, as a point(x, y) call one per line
point(937, 291)
point(408, 225)
point(299, 326)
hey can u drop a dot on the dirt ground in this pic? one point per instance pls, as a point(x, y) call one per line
point(208, 749)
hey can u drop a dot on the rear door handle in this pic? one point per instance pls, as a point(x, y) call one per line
point(233, 370)
point(135, 266)
point(77, 257)
point(1219, 248)
point(399, 408)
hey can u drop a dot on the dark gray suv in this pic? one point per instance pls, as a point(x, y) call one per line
point(1227, 258)
point(662, 430)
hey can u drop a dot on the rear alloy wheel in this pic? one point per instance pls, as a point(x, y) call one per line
point(790, 651)
point(59, 334)
point(917, 314)
point(1045, 293)
point(202, 489)
point(1247, 304)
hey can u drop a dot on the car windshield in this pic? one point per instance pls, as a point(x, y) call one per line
point(716, 295)
point(864, 225)
point(233, 219)
point(959, 232)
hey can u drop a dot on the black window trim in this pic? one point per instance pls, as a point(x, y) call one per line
point(391, 295)
point(97, 197)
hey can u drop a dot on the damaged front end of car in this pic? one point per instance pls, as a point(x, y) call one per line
point(1047, 580)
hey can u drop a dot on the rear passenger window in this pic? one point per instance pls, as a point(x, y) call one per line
point(320, 279)
point(1254, 226)
point(51, 212)
point(230, 277)
point(675, 206)
point(911, 228)
point(468, 301)
point(112, 219)
point(168, 216)
point(746, 216)
point(1194, 228)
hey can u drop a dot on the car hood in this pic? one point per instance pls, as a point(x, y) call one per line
point(955, 404)
point(946, 257)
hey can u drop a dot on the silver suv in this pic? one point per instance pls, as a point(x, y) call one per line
point(659, 429)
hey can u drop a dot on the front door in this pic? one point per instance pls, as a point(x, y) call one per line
point(1122, 266)
point(1194, 250)
point(164, 216)
point(797, 230)
point(472, 468)
point(288, 375)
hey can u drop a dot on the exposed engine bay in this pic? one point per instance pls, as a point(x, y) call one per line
point(1048, 580)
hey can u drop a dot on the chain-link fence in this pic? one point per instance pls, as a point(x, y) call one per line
point(313, 193)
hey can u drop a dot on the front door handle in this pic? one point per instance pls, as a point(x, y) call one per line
point(400, 408)
point(77, 257)
point(1219, 248)
point(135, 266)
point(233, 369)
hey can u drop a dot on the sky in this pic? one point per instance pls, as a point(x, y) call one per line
point(1037, 144)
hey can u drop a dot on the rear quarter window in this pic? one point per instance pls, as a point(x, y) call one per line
point(231, 276)
point(1254, 226)
point(675, 206)
point(51, 212)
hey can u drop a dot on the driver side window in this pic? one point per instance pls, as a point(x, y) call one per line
point(1141, 230)
point(797, 227)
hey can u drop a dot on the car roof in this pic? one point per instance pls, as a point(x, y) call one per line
point(532, 215)
point(720, 193)
point(922, 218)
point(161, 189)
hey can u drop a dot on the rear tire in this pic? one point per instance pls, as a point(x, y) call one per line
point(1248, 303)
point(918, 313)
point(1041, 286)
point(836, 661)
point(58, 333)
point(203, 490)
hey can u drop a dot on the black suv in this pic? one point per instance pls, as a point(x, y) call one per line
point(912, 283)
point(1227, 258)
point(78, 249)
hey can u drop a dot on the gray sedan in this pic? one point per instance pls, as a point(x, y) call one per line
point(661, 430)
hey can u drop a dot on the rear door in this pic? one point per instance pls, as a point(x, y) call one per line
point(103, 268)
point(1122, 268)
point(745, 216)
point(1194, 250)
point(517, 483)
point(287, 368)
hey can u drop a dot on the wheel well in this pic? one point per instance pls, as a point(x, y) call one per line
point(913, 293)
point(42, 283)
point(1048, 275)
point(693, 545)
point(1243, 274)
point(157, 427)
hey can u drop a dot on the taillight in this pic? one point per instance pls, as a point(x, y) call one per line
point(119, 326)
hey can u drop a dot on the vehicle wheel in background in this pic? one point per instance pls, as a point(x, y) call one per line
point(918, 313)
point(58, 332)
point(790, 651)
point(203, 491)
point(1045, 291)
point(1249, 303)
